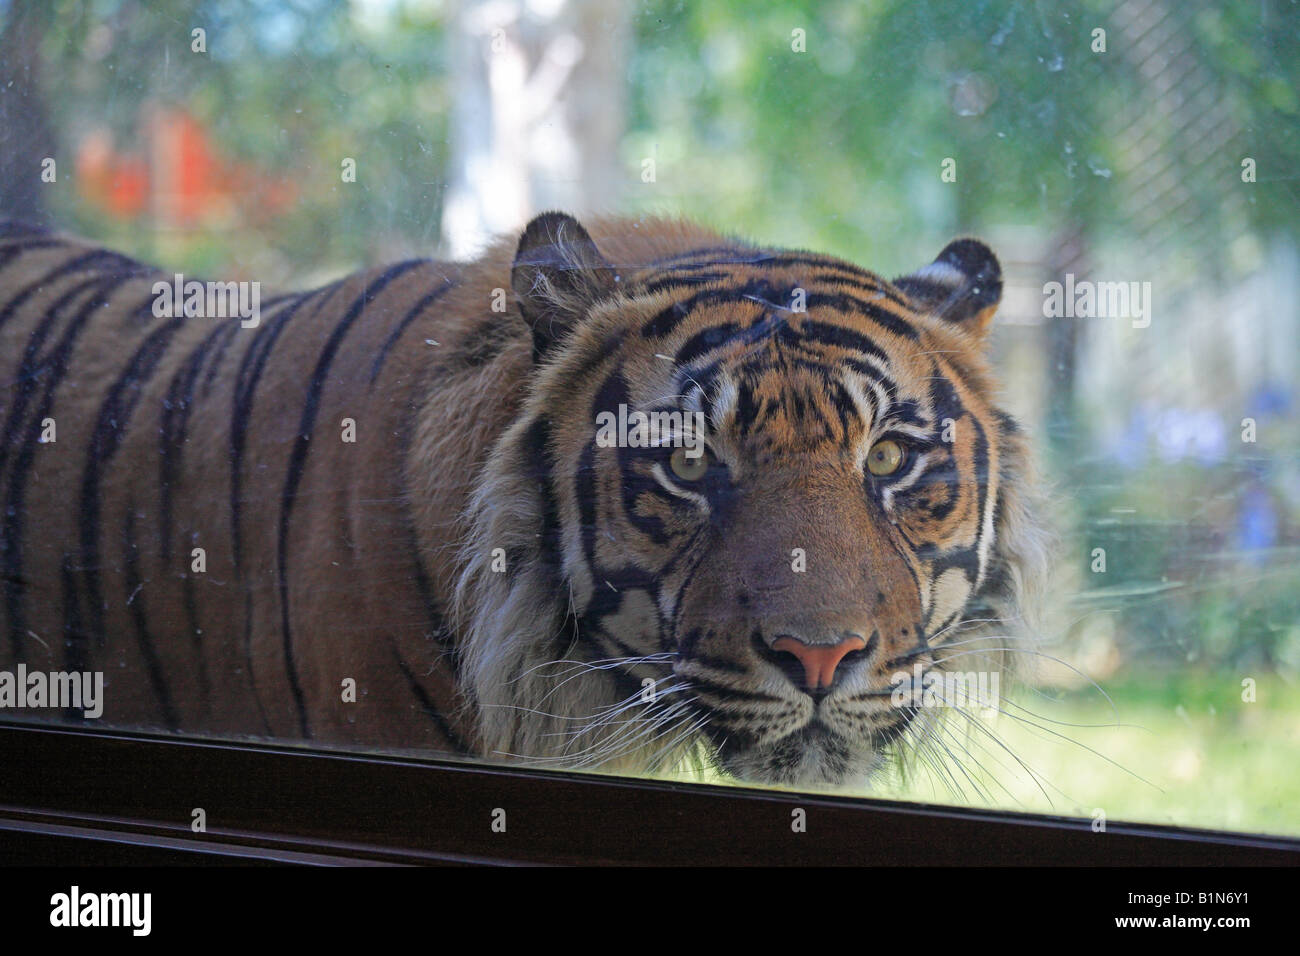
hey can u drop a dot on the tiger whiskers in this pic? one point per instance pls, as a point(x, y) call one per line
point(929, 735)
point(944, 727)
point(692, 749)
point(679, 720)
point(931, 731)
point(965, 745)
point(935, 742)
point(631, 737)
point(623, 704)
point(621, 729)
point(1040, 781)
point(576, 668)
point(1048, 730)
point(651, 715)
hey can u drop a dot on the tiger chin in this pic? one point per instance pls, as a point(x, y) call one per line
point(628, 497)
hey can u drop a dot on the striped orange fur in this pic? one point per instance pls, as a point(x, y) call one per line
point(494, 580)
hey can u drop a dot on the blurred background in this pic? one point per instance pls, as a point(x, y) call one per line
point(1138, 141)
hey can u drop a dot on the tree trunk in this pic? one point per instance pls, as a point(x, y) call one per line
point(26, 136)
point(539, 107)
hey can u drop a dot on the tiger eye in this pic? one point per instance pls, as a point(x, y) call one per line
point(688, 468)
point(884, 458)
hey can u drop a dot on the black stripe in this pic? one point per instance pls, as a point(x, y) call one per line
point(908, 561)
point(669, 318)
point(430, 710)
point(607, 397)
point(728, 334)
point(965, 560)
point(746, 415)
point(997, 574)
point(214, 366)
point(67, 268)
point(608, 347)
point(15, 250)
point(114, 418)
point(707, 379)
point(982, 478)
point(431, 297)
point(634, 485)
point(706, 340)
point(758, 258)
point(435, 621)
point(136, 607)
point(731, 694)
point(608, 585)
point(537, 443)
point(829, 334)
point(858, 279)
point(14, 512)
point(721, 664)
point(908, 411)
point(27, 375)
point(1006, 423)
point(787, 259)
point(225, 335)
point(599, 644)
point(843, 302)
point(297, 462)
point(605, 645)
point(245, 386)
point(945, 403)
point(176, 407)
point(654, 286)
point(738, 254)
point(693, 552)
point(845, 408)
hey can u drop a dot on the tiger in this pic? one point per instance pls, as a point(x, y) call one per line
point(395, 511)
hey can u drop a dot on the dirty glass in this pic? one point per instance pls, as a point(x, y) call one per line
point(1131, 164)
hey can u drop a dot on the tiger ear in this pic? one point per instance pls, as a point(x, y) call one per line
point(558, 275)
point(963, 285)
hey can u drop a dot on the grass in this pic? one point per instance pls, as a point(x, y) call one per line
point(1179, 749)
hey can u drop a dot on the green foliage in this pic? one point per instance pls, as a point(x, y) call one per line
point(849, 135)
point(288, 89)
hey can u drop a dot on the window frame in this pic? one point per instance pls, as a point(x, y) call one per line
point(109, 797)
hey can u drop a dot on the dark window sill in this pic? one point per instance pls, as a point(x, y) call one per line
point(111, 798)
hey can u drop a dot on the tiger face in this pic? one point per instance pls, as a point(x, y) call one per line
point(770, 486)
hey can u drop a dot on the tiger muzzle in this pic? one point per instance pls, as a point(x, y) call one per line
point(817, 593)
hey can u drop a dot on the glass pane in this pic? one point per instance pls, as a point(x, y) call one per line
point(414, 509)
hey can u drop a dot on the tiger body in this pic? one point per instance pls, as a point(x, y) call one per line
point(181, 433)
point(493, 580)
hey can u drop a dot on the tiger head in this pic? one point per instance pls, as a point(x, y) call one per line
point(753, 496)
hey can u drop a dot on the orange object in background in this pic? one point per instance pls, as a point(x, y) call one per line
point(178, 177)
point(117, 184)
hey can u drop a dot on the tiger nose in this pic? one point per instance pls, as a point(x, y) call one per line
point(819, 660)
